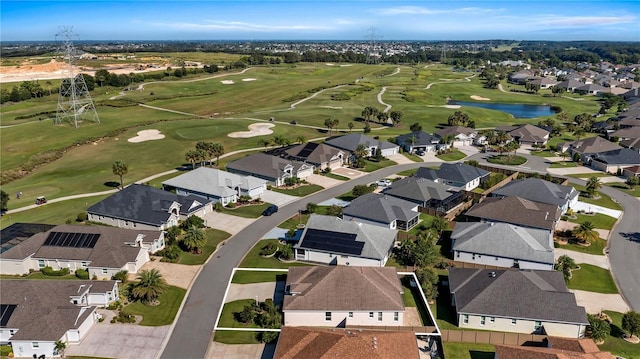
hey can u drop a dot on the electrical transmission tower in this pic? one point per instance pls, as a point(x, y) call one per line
point(74, 101)
point(372, 56)
point(443, 54)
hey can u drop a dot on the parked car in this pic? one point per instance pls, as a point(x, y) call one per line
point(270, 210)
point(420, 153)
point(294, 122)
point(384, 183)
point(41, 200)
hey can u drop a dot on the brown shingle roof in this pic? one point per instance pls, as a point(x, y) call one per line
point(516, 210)
point(343, 288)
point(308, 343)
point(560, 348)
point(591, 145)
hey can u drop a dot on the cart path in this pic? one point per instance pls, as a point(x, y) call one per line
point(450, 81)
point(388, 107)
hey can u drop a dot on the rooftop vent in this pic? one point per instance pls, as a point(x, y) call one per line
point(492, 274)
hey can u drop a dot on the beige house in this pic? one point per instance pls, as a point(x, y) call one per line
point(340, 296)
point(526, 301)
point(101, 250)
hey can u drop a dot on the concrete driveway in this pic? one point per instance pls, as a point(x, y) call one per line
point(323, 181)
point(399, 159)
point(106, 340)
point(226, 222)
point(597, 302)
point(178, 275)
point(273, 290)
point(588, 207)
point(579, 257)
point(277, 198)
point(348, 172)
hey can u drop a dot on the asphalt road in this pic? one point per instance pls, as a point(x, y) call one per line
point(192, 333)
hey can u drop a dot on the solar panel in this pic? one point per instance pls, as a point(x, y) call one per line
point(22, 230)
point(307, 150)
point(337, 242)
point(5, 313)
point(75, 240)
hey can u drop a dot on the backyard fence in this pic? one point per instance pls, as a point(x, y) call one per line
point(485, 337)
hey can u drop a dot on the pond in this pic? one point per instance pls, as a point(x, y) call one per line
point(517, 110)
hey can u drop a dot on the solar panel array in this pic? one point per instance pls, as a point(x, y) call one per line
point(22, 230)
point(336, 242)
point(307, 150)
point(5, 313)
point(75, 240)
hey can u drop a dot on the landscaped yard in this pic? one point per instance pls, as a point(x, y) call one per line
point(161, 314)
point(38, 275)
point(371, 166)
point(412, 298)
point(614, 343)
point(635, 192)
point(412, 157)
point(250, 211)
point(299, 191)
point(598, 220)
point(227, 320)
point(247, 277)
point(214, 237)
point(545, 153)
point(507, 160)
point(454, 155)
point(593, 279)
point(468, 350)
point(603, 200)
point(563, 164)
point(595, 248)
point(253, 259)
point(408, 173)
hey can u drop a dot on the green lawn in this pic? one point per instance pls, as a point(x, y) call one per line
point(468, 350)
point(250, 211)
point(408, 172)
point(214, 237)
point(454, 155)
point(507, 160)
point(614, 343)
point(563, 164)
point(38, 275)
point(412, 157)
point(162, 314)
point(253, 259)
point(227, 319)
point(588, 175)
point(545, 153)
point(595, 248)
point(592, 279)
point(236, 337)
point(635, 192)
point(371, 166)
point(412, 298)
point(598, 220)
point(603, 200)
point(300, 191)
point(336, 177)
point(246, 277)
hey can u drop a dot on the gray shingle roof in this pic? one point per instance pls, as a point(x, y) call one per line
point(214, 182)
point(421, 138)
point(418, 189)
point(343, 288)
point(456, 172)
point(314, 153)
point(351, 141)
point(264, 166)
point(623, 156)
point(530, 294)
point(380, 208)
point(377, 241)
point(529, 133)
point(504, 240)
point(538, 190)
point(516, 210)
point(593, 145)
point(144, 204)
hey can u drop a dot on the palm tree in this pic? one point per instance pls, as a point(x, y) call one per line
point(217, 149)
point(396, 117)
point(329, 123)
point(59, 346)
point(439, 224)
point(579, 132)
point(119, 168)
point(206, 147)
point(149, 286)
point(301, 139)
point(361, 151)
point(367, 112)
point(48, 83)
point(194, 239)
point(350, 125)
point(586, 233)
point(192, 157)
point(502, 137)
point(593, 185)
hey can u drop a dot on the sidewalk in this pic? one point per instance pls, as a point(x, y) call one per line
point(598, 209)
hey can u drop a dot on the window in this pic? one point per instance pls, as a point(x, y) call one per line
point(379, 316)
point(538, 325)
point(465, 319)
point(350, 314)
point(35, 345)
point(396, 316)
point(75, 301)
point(483, 320)
point(492, 320)
point(85, 264)
point(514, 321)
point(327, 316)
point(40, 263)
point(370, 315)
point(104, 271)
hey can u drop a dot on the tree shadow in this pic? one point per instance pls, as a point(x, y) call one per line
point(269, 351)
point(112, 184)
point(475, 354)
point(632, 236)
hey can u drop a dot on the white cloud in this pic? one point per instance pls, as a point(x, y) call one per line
point(419, 10)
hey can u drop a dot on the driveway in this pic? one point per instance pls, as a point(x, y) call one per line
point(572, 171)
point(226, 222)
point(240, 351)
point(273, 290)
point(598, 209)
point(579, 257)
point(597, 302)
point(277, 198)
point(348, 172)
point(399, 159)
point(178, 275)
point(106, 340)
point(323, 181)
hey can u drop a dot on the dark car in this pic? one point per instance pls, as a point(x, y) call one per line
point(270, 210)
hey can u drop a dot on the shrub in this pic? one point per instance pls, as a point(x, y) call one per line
point(311, 207)
point(268, 337)
point(269, 249)
point(171, 253)
point(172, 234)
point(192, 221)
point(82, 216)
point(599, 328)
point(124, 317)
point(361, 189)
point(82, 273)
point(631, 322)
point(121, 276)
point(231, 205)
point(286, 252)
point(115, 305)
point(48, 271)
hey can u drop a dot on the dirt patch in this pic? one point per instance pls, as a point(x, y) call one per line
point(146, 135)
point(256, 129)
point(412, 317)
point(178, 275)
point(227, 82)
point(479, 98)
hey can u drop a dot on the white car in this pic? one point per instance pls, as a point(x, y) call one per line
point(384, 183)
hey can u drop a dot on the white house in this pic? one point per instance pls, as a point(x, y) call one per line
point(461, 176)
point(334, 241)
point(351, 142)
point(340, 296)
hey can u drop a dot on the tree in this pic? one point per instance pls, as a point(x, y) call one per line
point(600, 328)
point(565, 264)
point(367, 112)
point(416, 127)
point(59, 347)
point(592, 187)
point(586, 232)
point(149, 286)
point(264, 142)
point(311, 207)
point(632, 181)
point(49, 84)
point(194, 239)
point(458, 118)
point(631, 323)
point(119, 168)
point(396, 117)
point(367, 128)
point(557, 90)
point(579, 132)
point(350, 125)
point(4, 200)
point(300, 139)
point(206, 147)
point(217, 150)
point(422, 252)
point(439, 224)
point(382, 117)
point(192, 157)
point(428, 279)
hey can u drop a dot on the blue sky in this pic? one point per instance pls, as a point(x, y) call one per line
point(322, 20)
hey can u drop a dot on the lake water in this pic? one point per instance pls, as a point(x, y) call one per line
point(517, 110)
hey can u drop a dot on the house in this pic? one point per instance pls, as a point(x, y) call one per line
point(570, 85)
point(462, 136)
point(351, 142)
point(633, 144)
point(331, 240)
point(518, 211)
point(544, 82)
point(539, 190)
point(588, 147)
point(216, 185)
point(517, 301)
point(426, 193)
point(615, 161)
point(341, 296)
point(101, 250)
point(273, 169)
point(503, 245)
point(627, 133)
point(520, 77)
point(144, 207)
point(17, 233)
point(631, 171)
point(557, 348)
point(319, 155)
point(529, 135)
point(459, 175)
point(381, 210)
point(591, 89)
point(37, 313)
point(418, 141)
point(316, 343)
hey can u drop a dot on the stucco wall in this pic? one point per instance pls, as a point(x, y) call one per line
point(499, 262)
point(521, 326)
point(15, 266)
point(329, 258)
point(124, 224)
point(24, 349)
point(318, 318)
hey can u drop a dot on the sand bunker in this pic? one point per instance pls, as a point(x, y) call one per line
point(227, 82)
point(332, 107)
point(249, 79)
point(346, 65)
point(479, 98)
point(451, 106)
point(147, 135)
point(256, 129)
point(330, 64)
